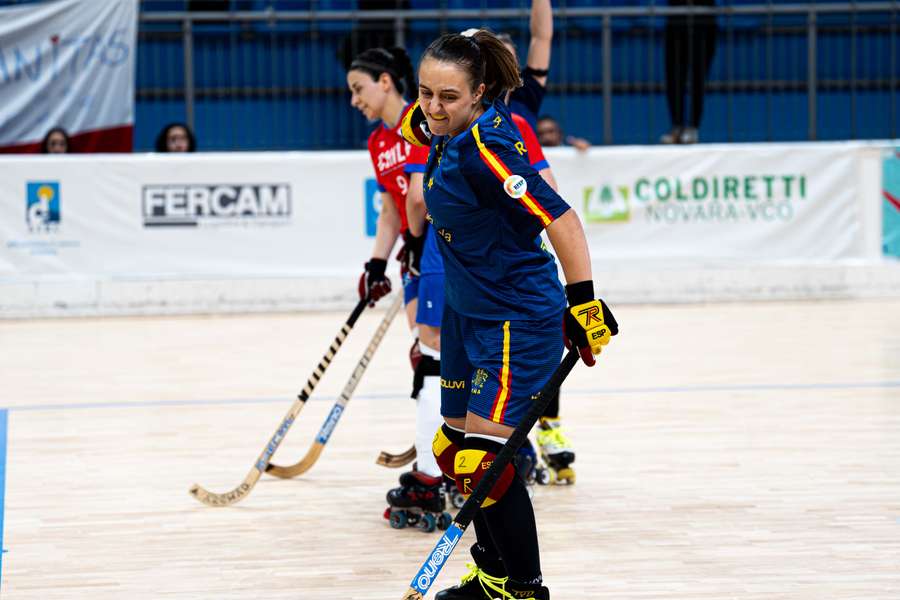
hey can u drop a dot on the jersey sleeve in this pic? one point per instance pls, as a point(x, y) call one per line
point(417, 159)
point(535, 151)
point(497, 169)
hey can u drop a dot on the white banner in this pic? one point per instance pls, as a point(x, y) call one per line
point(160, 232)
point(176, 216)
point(68, 63)
point(787, 202)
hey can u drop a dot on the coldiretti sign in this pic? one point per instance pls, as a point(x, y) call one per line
point(712, 198)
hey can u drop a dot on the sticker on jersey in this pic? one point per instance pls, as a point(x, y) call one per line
point(515, 186)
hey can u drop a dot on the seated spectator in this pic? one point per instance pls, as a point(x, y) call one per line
point(56, 142)
point(176, 137)
point(550, 134)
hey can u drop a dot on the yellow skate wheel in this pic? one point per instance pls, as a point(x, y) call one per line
point(566, 475)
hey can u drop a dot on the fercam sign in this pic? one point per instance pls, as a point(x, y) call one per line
point(191, 205)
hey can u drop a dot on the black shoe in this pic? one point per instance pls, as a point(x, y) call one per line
point(478, 585)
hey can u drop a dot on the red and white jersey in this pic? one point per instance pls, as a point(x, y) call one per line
point(532, 145)
point(394, 159)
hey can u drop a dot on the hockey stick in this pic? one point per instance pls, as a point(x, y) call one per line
point(337, 410)
point(395, 461)
point(228, 498)
point(429, 570)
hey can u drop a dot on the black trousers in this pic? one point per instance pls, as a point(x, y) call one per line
point(690, 48)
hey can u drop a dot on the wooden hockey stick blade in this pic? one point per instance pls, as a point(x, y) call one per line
point(305, 464)
point(437, 558)
point(312, 455)
point(246, 486)
point(395, 461)
point(241, 491)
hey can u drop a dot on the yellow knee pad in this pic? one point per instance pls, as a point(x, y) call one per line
point(470, 466)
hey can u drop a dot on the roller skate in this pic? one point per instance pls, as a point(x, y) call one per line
point(529, 466)
point(418, 502)
point(556, 452)
point(453, 493)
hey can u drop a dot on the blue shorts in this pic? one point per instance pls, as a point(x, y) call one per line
point(410, 288)
point(493, 368)
point(431, 299)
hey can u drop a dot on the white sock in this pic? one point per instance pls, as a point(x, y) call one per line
point(484, 436)
point(429, 351)
point(428, 420)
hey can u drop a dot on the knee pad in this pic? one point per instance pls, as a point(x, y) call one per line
point(426, 367)
point(473, 462)
point(447, 442)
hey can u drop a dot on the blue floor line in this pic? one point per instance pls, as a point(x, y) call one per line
point(684, 389)
point(4, 414)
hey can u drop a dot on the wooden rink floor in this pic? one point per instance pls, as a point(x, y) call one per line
point(734, 451)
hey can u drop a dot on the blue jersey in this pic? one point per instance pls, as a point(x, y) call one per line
point(488, 207)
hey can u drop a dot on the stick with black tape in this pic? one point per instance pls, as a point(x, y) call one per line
point(262, 461)
point(331, 421)
point(429, 570)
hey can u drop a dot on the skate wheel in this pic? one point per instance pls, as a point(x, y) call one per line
point(411, 519)
point(428, 523)
point(544, 476)
point(457, 499)
point(398, 519)
point(566, 476)
point(444, 521)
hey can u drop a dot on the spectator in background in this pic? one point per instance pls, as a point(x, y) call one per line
point(550, 134)
point(690, 48)
point(176, 137)
point(56, 142)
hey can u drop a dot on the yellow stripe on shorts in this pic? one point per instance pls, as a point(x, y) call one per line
point(502, 393)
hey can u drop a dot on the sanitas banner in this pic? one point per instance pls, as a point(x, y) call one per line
point(68, 63)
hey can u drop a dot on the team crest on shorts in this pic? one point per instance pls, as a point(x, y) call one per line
point(478, 380)
point(515, 186)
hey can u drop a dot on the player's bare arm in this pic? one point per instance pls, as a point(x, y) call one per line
point(388, 228)
point(567, 237)
point(541, 26)
point(415, 204)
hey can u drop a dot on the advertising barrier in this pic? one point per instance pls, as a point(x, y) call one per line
point(97, 234)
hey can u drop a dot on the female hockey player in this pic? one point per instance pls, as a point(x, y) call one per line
point(378, 79)
point(500, 333)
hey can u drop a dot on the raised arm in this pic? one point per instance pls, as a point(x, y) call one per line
point(541, 25)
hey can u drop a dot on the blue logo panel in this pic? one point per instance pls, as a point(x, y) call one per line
point(42, 204)
point(891, 204)
point(372, 201)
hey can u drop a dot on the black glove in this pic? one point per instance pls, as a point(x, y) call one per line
point(587, 323)
point(410, 256)
point(373, 283)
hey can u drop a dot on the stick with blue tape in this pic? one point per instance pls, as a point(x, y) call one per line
point(262, 461)
point(331, 421)
point(437, 558)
